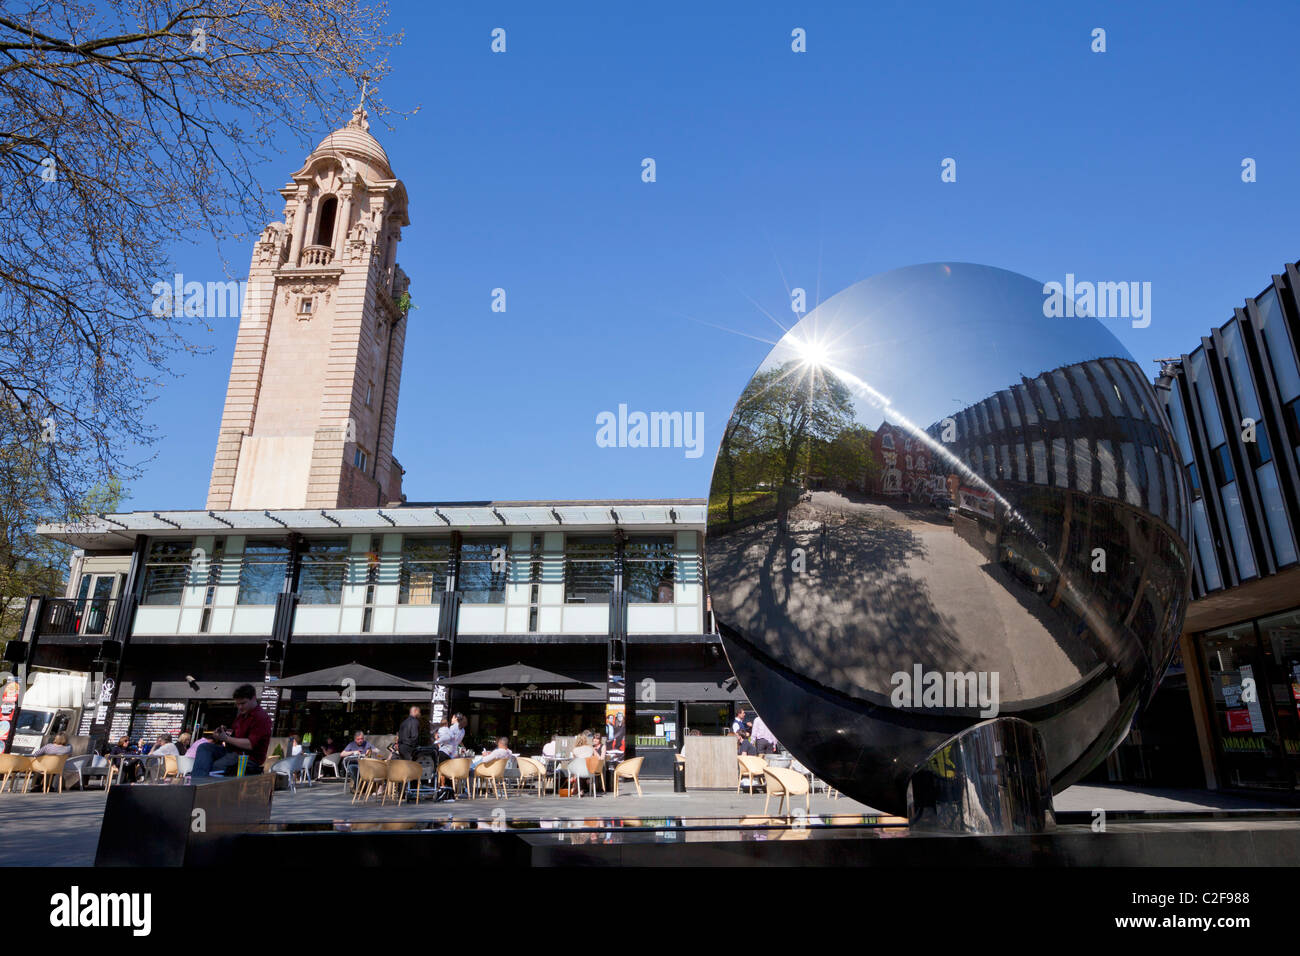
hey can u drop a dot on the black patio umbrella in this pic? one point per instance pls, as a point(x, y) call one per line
point(514, 680)
point(360, 676)
point(515, 675)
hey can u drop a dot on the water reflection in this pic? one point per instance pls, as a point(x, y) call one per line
point(932, 502)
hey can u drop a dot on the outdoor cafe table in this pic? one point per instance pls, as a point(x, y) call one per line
point(153, 765)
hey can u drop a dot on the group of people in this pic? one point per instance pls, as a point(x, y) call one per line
point(752, 735)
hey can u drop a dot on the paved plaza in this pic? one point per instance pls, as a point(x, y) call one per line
point(62, 830)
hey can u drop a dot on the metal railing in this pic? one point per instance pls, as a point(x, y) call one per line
point(88, 617)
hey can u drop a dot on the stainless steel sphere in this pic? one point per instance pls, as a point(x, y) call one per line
point(935, 503)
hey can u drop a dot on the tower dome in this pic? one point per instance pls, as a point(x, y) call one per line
point(354, 140)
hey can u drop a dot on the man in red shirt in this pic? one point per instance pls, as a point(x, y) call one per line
point(251, 735)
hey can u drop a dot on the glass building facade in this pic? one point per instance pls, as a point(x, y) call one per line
point(1233, 403)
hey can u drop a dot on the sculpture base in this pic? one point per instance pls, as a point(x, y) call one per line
point(989, 779)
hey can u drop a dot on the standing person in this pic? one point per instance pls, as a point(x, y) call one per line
point(408, 735)
point(764, 741)
point(740, 723)
point(250, 737)
point(445, 741)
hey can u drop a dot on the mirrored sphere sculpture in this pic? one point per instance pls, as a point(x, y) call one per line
point(937, 502)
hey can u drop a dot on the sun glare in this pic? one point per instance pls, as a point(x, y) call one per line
point(812, 352)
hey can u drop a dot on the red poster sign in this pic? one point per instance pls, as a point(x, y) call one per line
point(1239, 720)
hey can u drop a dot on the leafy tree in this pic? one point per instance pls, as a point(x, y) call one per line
point(782, 414)
point(30, 563)
point(846, 457)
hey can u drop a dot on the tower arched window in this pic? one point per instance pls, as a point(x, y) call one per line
point(329, 210)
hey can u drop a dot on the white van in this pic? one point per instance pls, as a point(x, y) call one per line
point(52, 705)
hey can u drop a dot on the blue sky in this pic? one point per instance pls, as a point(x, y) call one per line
point(774, 170)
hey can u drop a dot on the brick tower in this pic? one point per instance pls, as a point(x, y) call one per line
point(312, 402)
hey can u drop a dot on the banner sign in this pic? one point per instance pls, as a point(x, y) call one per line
point(8, 711)
point(438, 707)
point(270, 697)
point(615, 718)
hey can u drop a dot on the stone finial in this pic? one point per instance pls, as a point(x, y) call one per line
point(359, 119)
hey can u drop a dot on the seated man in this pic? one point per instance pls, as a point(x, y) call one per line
point(502, 750)
point(744, 746)
point(360, 747)
point(250, 737)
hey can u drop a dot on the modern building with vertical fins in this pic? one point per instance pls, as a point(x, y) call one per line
point(1234, 404)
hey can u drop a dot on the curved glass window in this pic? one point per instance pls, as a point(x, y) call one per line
point(1281, 353)
point(1234, 351)
point(1236, 516)
point(1279, 528)
point(1179, 421)
point(1205, 547)
point(1203, 388)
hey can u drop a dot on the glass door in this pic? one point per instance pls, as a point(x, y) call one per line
point(94, 603)
point(1246, 730)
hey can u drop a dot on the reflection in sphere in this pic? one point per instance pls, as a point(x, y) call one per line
point(933, 505)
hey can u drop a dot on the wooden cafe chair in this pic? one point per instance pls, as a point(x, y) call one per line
point(401, 774)
point(751, 767)
point(50, 766)
point(784, 782)
point(370, 772)
point(629, 770)
point(531, 771)
point(11, 764)
point(455, 770)
point(493, 771)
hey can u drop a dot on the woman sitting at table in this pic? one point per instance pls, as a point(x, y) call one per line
point(598, 745)
point(56, 747)
point(132, 769)
point(582, 749)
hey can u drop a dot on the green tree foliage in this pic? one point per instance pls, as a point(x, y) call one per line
point(783, 414)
